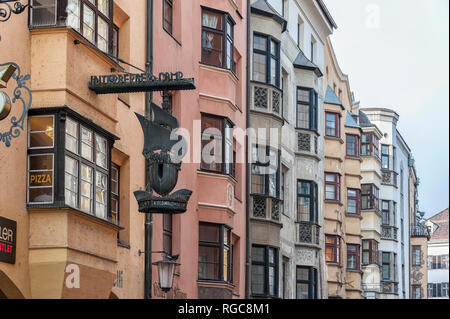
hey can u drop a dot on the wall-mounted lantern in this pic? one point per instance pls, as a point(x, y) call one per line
point(166, 270)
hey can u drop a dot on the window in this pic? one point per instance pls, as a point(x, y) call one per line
point(385, 212)
point(306, 108)
point(385, 264)
point(332, 186)
point(369, 145)
point(369, 196)
point(416, 292)
point(265, 178)
point(306, 283)
point(43, 12)
point(167, 233)
point(353, 201)
point(266, 60)
point(369, 252)
point(84, 171)
point(217, 152)
point(416, 255)
point(385, 156)
point(352, 145)
point(353, 257)
point(438, 262)
point(214, 252)
point(115, 193)
point(217, 39)
point(264, 271)
point(307, 201)
point(332, 125)
point(437, 290)
point(167, 15)
point(332, 249)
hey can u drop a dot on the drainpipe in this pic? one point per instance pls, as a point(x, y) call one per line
point(148, 217)
point(247, 169)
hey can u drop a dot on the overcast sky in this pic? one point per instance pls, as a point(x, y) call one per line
point(396, 55)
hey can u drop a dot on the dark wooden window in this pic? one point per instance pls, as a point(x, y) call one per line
point(214, 256)
point(353, 201)
point(352, 145)
point(332, 249)
point(217, 39)
point(369, 145)
point(369, 196)
point(265, 175)
point(167, 233)
point(307, 201)
point(217, 153)
point(306, 283)
point(266, 59)
point(307, 101)
point(385, 266)
point(332, 186)
point(353, 259)
point(370, 252)
point(332, 124)
point(168, 15)
point(385, 156)
point(115, 193)
point(264, 271)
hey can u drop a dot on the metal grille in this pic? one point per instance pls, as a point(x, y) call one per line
point(316, 145)
point(260, 97)
point(304, 142)
point(275, 209)
point(305, 233)
point(259, 207)
point(388, 232)
point(276, 102)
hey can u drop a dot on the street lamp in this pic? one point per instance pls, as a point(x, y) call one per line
point(166, 269)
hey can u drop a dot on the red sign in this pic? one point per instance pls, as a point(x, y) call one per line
point(8, 240)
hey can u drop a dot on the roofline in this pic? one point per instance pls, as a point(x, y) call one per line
point(378, 109)
point(404, 142)
point(327, 13)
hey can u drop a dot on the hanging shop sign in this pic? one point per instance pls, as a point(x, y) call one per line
point(144, 82)
point(8, 230)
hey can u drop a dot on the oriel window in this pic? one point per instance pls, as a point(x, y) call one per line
point(264, 280)
point(385, 156)
point(307, 101)
point(306, 283)
point(332, 125)
point(307, 201)
point(352, 145)
point(266, 60)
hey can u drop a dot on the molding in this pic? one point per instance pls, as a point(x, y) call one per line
point(230, 103)
point(217, 206)
point(217, 175)
point(74, 249)
point(220, 70)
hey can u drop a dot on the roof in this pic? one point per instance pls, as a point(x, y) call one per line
point(350, 121)
point(302, 62)
point(382, 109)
point(441, 220)
point(364, 120)
point(327, 14)
point(331, 97)
point(262, 7)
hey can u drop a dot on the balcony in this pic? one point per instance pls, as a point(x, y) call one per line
point(266, 99)
point(390, 287)
point(307, 143)
point(308, 233)
point(371, 287)
point(266, 207)
point(389, 232)
point(419, 230)
point(389, 178)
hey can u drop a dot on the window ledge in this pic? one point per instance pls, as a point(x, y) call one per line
point(355, 158)
point(330, 263)
point(216, 284)
point(171, 35)
point(204, 172)
point(228, 72)
point(315, 132)
point(120, 244)
point(354, 270)
point(330, 201)
point(335, 138)
point(353, 215)
point(267, 220)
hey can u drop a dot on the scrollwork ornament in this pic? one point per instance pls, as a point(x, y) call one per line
point(21, 94)
point(7, 10)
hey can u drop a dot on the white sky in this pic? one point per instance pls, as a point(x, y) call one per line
point(396, 54)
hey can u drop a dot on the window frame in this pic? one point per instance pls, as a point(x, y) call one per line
point(416, 259)
point(113, 195)
point(164, 19)
point(357, 199)
point(373, 197)
point(312, 282)
point(314, 201)
point(337, 121)
point(266, 177)
point(267, 265)
point(226, 19)
point(385, 156)
point(269, 56)
point(355, 254)
point(372, 144)
point(336, 248)
point(372, 251)
point(336, 184)
point(356, 146)
point(313, 107)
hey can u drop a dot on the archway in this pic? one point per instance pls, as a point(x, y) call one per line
point(8, 290)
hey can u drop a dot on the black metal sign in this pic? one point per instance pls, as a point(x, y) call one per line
point(144, 82)
point(8, 230)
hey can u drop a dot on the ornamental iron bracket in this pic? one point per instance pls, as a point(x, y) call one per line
point(5, 13)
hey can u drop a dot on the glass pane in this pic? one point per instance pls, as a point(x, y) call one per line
point(351, 206)
point(303, 95)
point(208, 263)
point(260, 43)
point(273, 71)
point(209, 233)
point(41, 124)
point(258, 279)
point(41, 179)
point(304, 188)
point(259, 67)
point(272, 290)
point(71, 175)
point(43, 12)
point(41, 131)
point(258, 254)
point(103, 7)
point(212, 48)
point(303, 209)
point(273, 48)
point(86, 143)
point(40, 195)
point(212, 20)
point(330, 178)
point(302, 274)
point(72, 136)
point(102, 36)
point(88, 23)
point(100, 151)
point(41, 162)
point(351, 193)
point(73, 14)
point(330, 192)
point(302, 291)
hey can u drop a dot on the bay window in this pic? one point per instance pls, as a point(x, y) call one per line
point(369, 145)
point(93, 19)
point(265, 178)
point(369, 196)
point(353, 201)
point(69, 163)
point(218, 145)
point(307, 201)
point(332, 249)
point(385, 156)
point(369, 252)
point(266, 59)
point(353, 257)
point(307, 101)
point(306, 283)
point(332, 186)
point(217, 39)
point(332, 124)
point(214, 258)
point(352, 148)
point(264, 273)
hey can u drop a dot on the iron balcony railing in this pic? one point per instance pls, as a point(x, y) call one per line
point(389, 232)
point(308, 233)
point(419, 230)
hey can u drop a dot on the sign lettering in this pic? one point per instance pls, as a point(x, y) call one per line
point(8, 240)
point(41, 179)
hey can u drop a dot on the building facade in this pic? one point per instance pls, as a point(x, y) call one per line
point(438, 274)
point(73, 170)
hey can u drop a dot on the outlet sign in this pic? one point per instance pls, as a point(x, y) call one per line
point(8, 230)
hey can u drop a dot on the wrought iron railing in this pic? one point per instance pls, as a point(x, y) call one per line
point(389, 232)
point(390, 287)
point(389, 177)
point(419, 230)
point(308, 233)
point(266, 207)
